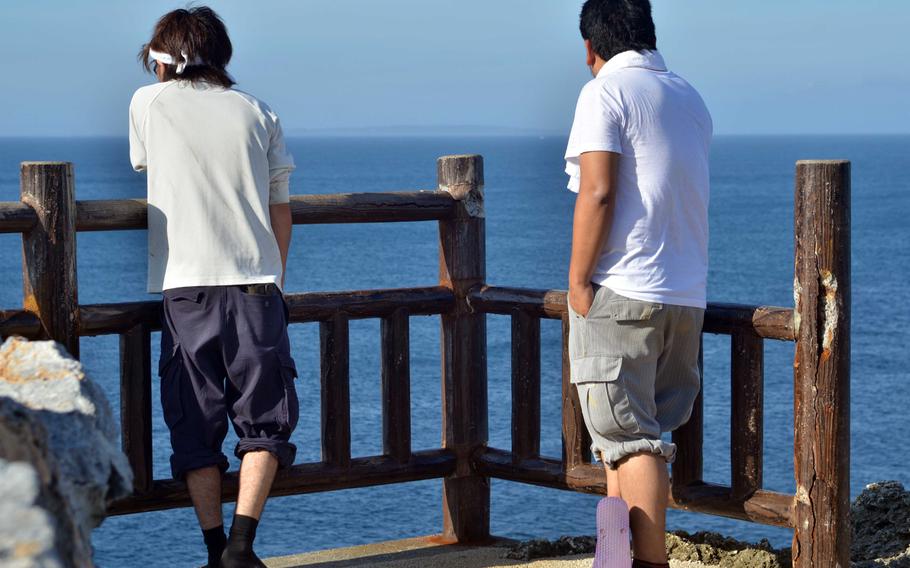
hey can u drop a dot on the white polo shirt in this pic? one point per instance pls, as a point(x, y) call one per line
point(657, 248)
point(216, 160)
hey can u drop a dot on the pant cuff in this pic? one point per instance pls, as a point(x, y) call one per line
point(284, 452)
point(616, 451)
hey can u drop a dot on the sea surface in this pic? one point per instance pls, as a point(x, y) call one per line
point(528, 239)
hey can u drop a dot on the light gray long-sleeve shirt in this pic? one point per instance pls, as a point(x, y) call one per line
point(216, 160)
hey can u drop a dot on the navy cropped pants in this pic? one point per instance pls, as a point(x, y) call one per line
point(225, 355)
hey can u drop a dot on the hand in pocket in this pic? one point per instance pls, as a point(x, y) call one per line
point(581, 298)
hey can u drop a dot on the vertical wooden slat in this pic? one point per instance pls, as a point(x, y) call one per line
point(396, 386)
point(689, 438)
point(525, 385)
point(335, 382)
point(49, 251)
point(576, 442)
point(746, 413)
point(462, 266)
point(822, 365)
point(136, 403)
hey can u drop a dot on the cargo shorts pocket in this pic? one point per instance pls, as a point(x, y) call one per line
point(605, 397)
point(169, 367)
point(628, 310)
point(290, 405)
point(578, 325)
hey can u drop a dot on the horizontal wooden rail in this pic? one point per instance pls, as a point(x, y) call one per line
point(101, 319)
point(16, 217)
point(320, 306)
point(132, 214)
point(765, 507)
point(304, 478)
point(764, 321)
point(19, 322)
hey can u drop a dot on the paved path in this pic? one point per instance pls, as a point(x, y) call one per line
point(426, 551)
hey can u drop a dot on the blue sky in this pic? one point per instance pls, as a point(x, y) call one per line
point(813, 66)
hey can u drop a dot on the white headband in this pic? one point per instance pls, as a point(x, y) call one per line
point(166, 59)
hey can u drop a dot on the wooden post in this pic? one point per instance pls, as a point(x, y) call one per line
point(822, 365)
point(136, 403)
point(525, 385)
point(746, 413)
point(689, 438)
point(396, 386)
point(334, 375)
point(49, 251)
point(462, 266)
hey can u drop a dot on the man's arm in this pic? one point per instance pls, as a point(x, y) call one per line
point(280, 219)
point(594, 208)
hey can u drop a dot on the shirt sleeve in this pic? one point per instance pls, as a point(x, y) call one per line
point(281, 164)
point(597, 127)
point(138, 157)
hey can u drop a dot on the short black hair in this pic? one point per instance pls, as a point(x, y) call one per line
point(614, 26)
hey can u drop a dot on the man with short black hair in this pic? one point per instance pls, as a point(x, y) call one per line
point(638, 159)
point(219, 229)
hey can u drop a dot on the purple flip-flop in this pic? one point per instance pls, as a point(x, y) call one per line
point(613, 546)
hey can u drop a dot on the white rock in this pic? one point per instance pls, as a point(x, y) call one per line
point(56, 420)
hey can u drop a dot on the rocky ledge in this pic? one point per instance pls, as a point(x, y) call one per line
point(880, 517)
point(60, 458)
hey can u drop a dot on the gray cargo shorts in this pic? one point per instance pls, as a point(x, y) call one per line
point(635, 366)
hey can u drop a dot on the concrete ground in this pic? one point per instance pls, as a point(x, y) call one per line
point(428, 551)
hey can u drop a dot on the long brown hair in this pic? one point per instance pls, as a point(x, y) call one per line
point(200, 34)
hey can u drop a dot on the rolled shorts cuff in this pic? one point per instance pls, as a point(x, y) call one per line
point(284, 451)
point(183, 463)
point(610, 452)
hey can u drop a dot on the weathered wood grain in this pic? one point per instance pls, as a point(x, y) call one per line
point(462, 267)
point(822, 365)
point(765, 321)
point(746, 413)
point(100, 319)
point(303, 478)
point(49, 284)
point(334, 349)
point(132, 214)
point(688, 467)
point(396, 385)
point(16, 217)
point(525, 385)
point(765, 507)
point(136, 404)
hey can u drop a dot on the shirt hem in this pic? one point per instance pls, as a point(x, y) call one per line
point(656, 297)
point(219, 280)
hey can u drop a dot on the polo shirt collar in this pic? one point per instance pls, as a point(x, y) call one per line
point(646, 59)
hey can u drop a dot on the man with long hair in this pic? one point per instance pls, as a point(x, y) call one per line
point(219, 228)
point(638, 159)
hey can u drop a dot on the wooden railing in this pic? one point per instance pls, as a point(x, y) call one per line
point(48, 218)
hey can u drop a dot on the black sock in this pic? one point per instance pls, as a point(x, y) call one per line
point(239, 550)
point(644, 564)
point(215, 542)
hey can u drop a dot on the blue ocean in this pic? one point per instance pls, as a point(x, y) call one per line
point(528, 240)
